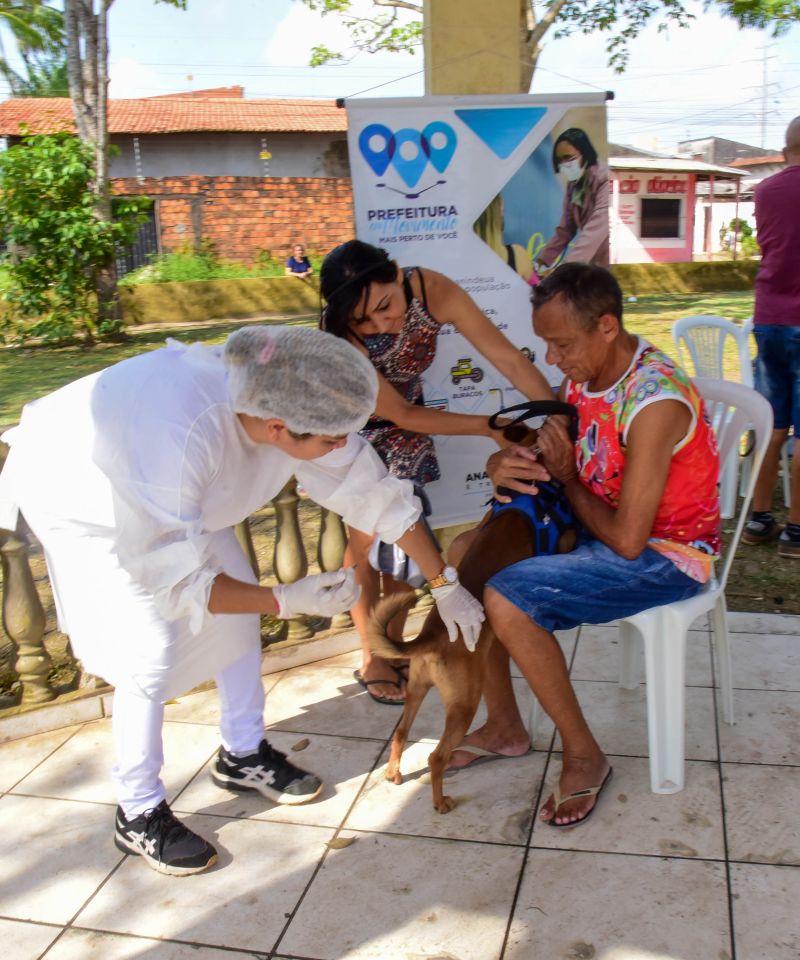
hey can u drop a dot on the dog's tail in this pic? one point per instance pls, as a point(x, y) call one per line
point(380, 618)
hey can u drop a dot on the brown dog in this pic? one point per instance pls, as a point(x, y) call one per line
point(434, 660)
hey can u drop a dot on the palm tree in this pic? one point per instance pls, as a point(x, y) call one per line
point(38, 32)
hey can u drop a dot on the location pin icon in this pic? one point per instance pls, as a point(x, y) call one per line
point(378, 157)
point(410, 167)
point(441, 153)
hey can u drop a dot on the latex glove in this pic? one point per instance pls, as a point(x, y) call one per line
point(459, 609)
point(324, 594)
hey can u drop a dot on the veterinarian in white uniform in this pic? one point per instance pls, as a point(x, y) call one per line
point(133, 479)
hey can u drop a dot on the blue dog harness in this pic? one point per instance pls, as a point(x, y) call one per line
point(548, 513)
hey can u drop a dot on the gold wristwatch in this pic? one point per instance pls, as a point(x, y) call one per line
point(447, 577)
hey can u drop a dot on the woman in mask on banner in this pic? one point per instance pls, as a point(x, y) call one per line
point(393, 316)
point(583, 230)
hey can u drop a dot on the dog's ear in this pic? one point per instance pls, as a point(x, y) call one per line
point(520, 434)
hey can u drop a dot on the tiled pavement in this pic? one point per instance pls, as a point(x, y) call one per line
point(706, 874)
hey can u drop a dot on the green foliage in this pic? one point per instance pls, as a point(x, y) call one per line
point(38, 32)
point(45, 76)
point(203, 264)
point(620, 20)
point(57, 245)
point(381, 31)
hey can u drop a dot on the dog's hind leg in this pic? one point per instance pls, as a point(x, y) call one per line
point(461, 694)
point(418, 685)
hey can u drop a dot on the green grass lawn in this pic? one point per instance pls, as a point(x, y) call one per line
point(30, 372)
point(760, 580)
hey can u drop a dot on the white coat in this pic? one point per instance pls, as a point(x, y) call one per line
point(133, 479)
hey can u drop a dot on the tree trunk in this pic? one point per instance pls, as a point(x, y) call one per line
point(531, 34)
point(87, 69)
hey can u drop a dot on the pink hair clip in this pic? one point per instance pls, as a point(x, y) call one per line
point(266, 352)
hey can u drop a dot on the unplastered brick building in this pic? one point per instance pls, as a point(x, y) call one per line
point(250, 176)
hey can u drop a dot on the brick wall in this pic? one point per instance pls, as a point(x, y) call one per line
point(242, 216)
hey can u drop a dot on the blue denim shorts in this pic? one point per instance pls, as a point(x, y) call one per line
point(593, 584)
point(777, 372)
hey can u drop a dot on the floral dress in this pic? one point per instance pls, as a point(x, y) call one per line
point(402, 358)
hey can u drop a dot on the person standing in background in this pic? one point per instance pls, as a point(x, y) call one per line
point(777, 331)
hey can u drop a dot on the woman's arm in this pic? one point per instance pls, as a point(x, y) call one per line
point(594, 233)
point(450, 304)
point(564, 232)
point(393, 406)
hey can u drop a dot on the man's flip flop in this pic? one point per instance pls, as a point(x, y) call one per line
point(588, 792)
point(483, 756)
point(366, 684)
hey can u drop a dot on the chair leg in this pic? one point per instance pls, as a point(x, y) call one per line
point(665, 663)
point(787, 478)
point(722, 649)
point(744, 474)
point(629, 656)
point(727, 488)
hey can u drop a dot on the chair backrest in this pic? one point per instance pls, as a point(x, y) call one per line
point(702, 338)
point(734, 408)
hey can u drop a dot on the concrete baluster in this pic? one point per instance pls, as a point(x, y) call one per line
point(330, 555)
point(290, 562)
point(245, 538)
point(24, 620)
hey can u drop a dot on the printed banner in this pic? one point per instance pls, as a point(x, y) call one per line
point(480, 188)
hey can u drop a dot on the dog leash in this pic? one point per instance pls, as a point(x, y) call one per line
point(535, 408)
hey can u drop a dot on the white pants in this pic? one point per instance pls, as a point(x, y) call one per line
point(137, 724)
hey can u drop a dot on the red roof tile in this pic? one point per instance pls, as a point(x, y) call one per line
point(755, 161)
point(235, 91)
point(176, 114)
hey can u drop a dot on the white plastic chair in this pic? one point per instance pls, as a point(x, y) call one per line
point(733, 408)
point(703, 339)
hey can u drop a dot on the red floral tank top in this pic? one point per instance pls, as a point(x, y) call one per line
point(687, 525)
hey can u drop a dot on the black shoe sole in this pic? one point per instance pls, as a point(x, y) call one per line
point(286, 799)
point(170, 870)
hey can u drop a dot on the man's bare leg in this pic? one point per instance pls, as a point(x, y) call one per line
point(768, 474)
point(541, 661)
point(504, 731)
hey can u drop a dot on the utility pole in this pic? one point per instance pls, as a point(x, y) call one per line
point(765, 85)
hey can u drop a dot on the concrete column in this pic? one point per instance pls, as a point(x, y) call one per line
point(472, 46)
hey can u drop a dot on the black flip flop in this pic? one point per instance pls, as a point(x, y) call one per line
point(366, 684)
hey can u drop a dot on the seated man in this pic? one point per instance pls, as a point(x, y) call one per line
point(298, 265)
point(642, 478)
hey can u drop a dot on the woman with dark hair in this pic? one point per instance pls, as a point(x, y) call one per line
point(393, 316)
point(584, 219)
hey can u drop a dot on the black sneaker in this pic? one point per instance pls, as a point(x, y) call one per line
point(164, 842)
point(267, 771)
point(757, 531)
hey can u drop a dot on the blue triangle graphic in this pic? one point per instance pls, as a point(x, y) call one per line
point(502, 129)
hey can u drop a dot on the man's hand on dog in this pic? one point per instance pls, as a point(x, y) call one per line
point(557, 450)
point(516, 468)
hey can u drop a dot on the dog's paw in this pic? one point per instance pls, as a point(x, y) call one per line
point(446, 804)
point(394, 775)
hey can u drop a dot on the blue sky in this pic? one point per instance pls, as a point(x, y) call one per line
point(682, 83)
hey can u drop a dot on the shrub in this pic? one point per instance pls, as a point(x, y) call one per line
point(57, 245)
point(203, 264)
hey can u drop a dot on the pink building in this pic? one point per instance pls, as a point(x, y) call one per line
point(654, 204)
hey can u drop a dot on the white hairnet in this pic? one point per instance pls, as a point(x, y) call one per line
point(313, 381)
